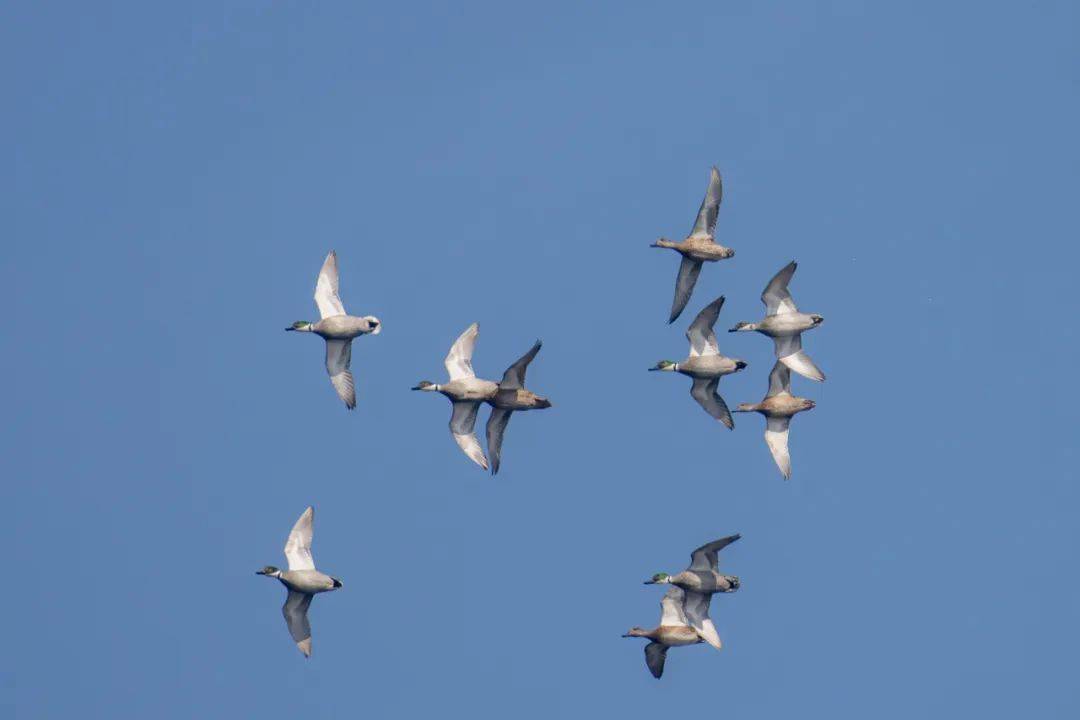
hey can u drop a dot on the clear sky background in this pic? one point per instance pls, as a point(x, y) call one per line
point(175, 174)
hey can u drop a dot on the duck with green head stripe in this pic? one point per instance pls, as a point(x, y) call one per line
point(705, 364)
point(700, 582)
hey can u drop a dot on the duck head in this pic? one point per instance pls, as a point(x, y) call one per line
point(636, 632)
point(374, 324)
point(269, 571)
point(733, 583)
point(426, 386)
point(743, 327)
point(746, 407)
point(299, 326)
point(660, 578)
point(665, 366)
point(816, 319)
point(741, 365)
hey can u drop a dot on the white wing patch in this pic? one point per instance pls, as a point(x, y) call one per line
point(459, 360)
point(298, 546)
point(801, 363)
point(462, 423)
point(701, 335)
point(326, 288)
point(776, 437)
point(776, 297)
point(338, 358)
point(696, 607)
point(671, 607)
point(471, 446)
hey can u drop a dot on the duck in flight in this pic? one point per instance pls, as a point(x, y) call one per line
point(785, 325)
point(466, 392)
point(699, 247)
point(302, 580)
point(778, 407)
point(673, 631)
point(700, 582)
point(338, 328)
point(511, 396)
point(706, 365)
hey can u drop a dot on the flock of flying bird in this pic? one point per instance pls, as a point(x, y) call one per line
point(684, 616)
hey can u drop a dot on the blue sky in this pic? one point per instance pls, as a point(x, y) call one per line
point(176, 174)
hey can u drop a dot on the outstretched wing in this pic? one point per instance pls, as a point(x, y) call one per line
point(671, 607)
point(684, 286)
point(706, 556)
point(514, 377)
point(779, 380)
point(789, 351)
point(776, 297)
point(496, 426)
point(700, 333)
point(326, 288)
point(295, 611)
point(338, 358)
point(462, 422)
point(459, 359)
point(705, 224)
point(704, 391)
point(655, 655)
point(776, 437)
point(298, 546)
point(696, 607)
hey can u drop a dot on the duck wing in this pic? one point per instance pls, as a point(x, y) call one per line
point(706, 557)
point(655, 655)
point(776, 437)
point(514, 377)
point(704, 391)
point(701, 335)
point(696, 606)
point(496, 426)
point(684, 286)
point(295, 611)
point(459, 360)
point(776, 297)
point(298, 545)
point(462, 423)
point(671, 607)
point(779, 380)
point(338, 358)
point(789, 351)
point(326, 288)
point(710, 207)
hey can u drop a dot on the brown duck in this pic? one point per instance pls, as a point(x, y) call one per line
point(699, 247)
